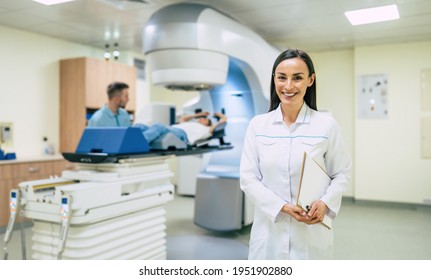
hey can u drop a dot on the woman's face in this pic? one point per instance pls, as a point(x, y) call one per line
point(291, 79)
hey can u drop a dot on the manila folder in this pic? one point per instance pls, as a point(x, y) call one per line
point(312, 186)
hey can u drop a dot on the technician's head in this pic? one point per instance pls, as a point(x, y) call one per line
point(118, 93)
point(293, 74)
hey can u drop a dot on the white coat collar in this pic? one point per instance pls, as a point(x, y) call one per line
point(303, 116)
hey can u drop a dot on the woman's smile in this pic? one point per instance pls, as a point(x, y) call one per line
point(289, 94)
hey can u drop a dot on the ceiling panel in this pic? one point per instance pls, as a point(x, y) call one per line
point(419, 8)
point(262, 15)
point(127, 6)
point(51, 13)
point(297, 33)
point(330, 23)
point(20, 20)
point(317, 25)
point(418, 20)
point(414, 2)
point(88, 7)
point(142, 15)
point(18, 4)
point(310, 8)
point(237, 6)
point(62, 32)
point(348, 5)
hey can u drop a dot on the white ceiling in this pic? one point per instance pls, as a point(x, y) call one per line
point(313, 25)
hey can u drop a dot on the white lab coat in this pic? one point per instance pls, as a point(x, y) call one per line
point(269, 175)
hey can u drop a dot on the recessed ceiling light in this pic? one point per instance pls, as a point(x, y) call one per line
point(52, 2)
point(372, 15)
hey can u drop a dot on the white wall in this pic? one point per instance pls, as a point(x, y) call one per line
point(335, 93)
point(388, 163)
point(29, 95)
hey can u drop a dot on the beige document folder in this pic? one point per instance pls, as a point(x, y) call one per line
point(312, 185)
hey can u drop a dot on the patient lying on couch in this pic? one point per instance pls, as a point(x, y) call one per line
point(190, 129)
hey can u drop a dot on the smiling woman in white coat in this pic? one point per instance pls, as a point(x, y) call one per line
point(271, 164)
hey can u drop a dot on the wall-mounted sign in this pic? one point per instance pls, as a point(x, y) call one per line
point(372, 96)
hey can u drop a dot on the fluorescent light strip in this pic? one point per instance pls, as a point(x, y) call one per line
point(372, 15)
point(52, 2)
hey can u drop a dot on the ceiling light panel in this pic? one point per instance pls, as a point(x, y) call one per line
point(372, 15)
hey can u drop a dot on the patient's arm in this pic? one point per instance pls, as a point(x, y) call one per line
point(222, 119)
point(187, 118)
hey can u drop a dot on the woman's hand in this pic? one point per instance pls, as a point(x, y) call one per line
point(314, 216)
point(296, 212)
point(317, 212)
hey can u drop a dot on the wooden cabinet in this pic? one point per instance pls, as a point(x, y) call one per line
point(14, 172)
point(83, 84)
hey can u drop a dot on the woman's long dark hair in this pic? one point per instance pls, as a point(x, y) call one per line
point(310, 94)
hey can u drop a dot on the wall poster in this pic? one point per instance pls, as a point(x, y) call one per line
point(372, 96)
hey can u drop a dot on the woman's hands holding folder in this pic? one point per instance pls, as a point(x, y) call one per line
point(317, 212)
point(296, 212)
point(314, 216)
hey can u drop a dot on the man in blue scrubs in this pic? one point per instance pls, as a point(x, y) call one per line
point(113, 114)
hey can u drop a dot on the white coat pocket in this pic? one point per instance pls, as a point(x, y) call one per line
point(316, 148)
point(273, 153)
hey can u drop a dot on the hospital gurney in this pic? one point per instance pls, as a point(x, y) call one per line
point(111, 207)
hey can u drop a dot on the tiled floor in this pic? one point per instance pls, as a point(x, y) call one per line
point(362, 231)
